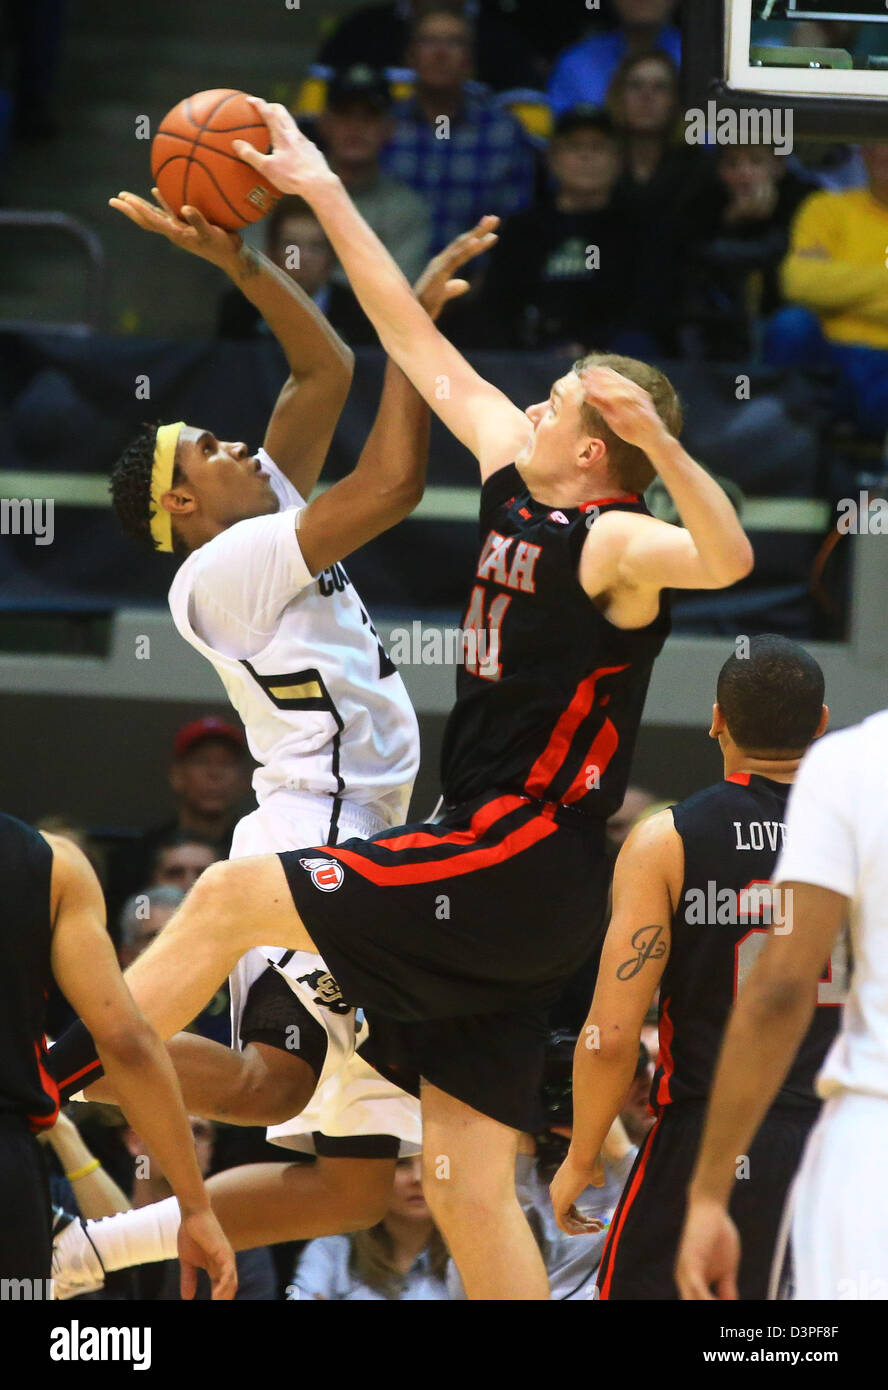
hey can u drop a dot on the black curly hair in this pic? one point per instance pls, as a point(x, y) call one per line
point(131, 489)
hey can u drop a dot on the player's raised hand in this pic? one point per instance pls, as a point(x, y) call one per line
point(190, 231)
point(568, 1184)
point(204, 1245)
point(295, 165)
point(436, 285)
point(625, 406)
point(709, 1253)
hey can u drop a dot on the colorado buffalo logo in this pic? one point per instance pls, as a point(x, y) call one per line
point(326, 874)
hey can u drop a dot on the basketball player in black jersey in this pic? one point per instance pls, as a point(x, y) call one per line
point(692, 910)
point(457, 936)
point(53, 925)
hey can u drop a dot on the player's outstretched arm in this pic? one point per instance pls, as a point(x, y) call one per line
point(321, 365)
point(647, 882)
point(709, 551)
point(477, 413)
point(135, 1060)
point(389, 477)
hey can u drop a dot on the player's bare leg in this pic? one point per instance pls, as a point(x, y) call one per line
point(234, 905)
point(469, 1184)
point(265, 1203)
point(259, 1085)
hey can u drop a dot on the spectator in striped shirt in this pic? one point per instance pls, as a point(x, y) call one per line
point(453, 142)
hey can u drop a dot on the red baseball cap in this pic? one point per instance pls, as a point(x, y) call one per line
point(210, 726)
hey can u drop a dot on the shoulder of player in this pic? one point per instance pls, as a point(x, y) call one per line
point(71, 870)
point(239, 534)
point(622, 522)
point(654, 847)
point(654, 835)
point(611, 535)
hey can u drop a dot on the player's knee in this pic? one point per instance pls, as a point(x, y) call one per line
point(364, 1209)
point(461, 1191)
point(211, 903)
point(456, 1209)
point(210, 892)
point(362, 1187)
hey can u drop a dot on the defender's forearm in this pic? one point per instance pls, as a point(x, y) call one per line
point(600, 1082)
point(397, 449)
point(149, 1096)
point(310, 344)
point(381, 288)
point(706, 512)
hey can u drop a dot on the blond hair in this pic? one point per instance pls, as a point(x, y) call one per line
point(629, 466)
point(372, 1260)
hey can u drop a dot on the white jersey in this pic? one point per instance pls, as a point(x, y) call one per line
point(837, 838)
point(325, 711)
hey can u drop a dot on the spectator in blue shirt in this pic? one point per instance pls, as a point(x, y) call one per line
point(453, 143)
point(403, 1257)
point(583, 73)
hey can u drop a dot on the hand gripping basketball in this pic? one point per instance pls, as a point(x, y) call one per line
point(294, 165)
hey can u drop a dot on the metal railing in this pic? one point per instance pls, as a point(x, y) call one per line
point(94, 277)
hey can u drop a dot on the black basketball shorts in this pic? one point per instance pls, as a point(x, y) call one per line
point(25, 1217)
point(456, 938)
point(639, 1256)
point(271, 1012)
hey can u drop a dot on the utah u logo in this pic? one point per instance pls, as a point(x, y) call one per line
point(326, 874)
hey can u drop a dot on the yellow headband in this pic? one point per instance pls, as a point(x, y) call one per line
point(162, 481)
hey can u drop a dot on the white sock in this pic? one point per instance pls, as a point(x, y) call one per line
point(138, 1237)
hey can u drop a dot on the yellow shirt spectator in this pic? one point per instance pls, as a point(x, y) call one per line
point(838, 265)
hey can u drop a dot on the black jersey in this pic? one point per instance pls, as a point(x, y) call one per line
point(732, 835)
point(25, 938)
point(550, 694)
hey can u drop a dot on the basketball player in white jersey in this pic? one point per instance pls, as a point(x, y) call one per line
point(835, 867)
point(261, 594)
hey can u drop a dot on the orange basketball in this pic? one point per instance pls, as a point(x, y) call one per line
point(193, 164)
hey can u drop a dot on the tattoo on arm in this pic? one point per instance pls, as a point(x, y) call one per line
point(648, 946)
point(248, 263)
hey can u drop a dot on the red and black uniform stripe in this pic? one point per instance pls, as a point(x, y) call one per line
point(435, 852)
point(554, 711)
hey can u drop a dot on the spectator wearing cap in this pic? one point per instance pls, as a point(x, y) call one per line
point(210, 777)
point(456, 146)
point(584, 72)
point(379, 34)
point(561, 277)
point(354, 127)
